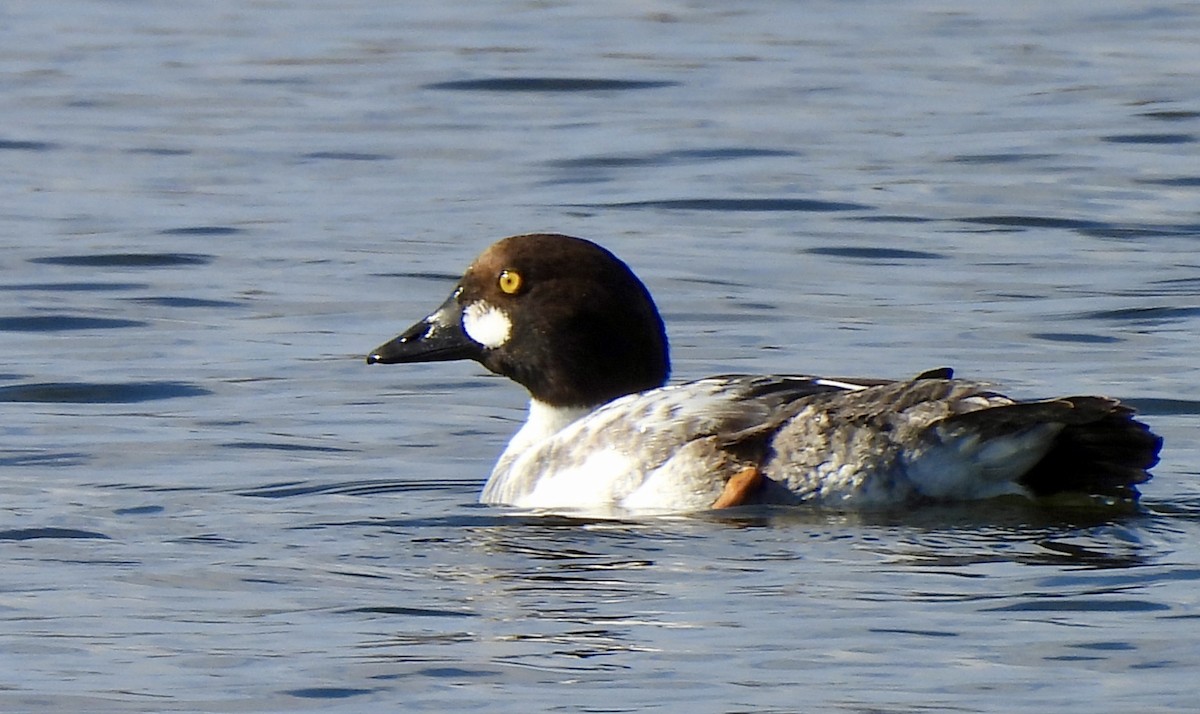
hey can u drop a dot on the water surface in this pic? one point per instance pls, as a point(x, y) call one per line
point(210, 214)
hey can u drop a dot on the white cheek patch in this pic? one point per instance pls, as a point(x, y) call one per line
point(486, 324)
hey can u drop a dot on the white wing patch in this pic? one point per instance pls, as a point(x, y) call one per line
point(486, 324)
point(848, 386)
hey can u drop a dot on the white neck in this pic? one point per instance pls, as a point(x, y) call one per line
point(543, 422)
point(508, 485)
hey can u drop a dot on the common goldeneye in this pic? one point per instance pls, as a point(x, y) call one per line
point(570, 322)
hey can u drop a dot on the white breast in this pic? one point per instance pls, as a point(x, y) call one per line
point(637, 452)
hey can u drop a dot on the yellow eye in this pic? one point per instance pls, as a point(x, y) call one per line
point(510, 281)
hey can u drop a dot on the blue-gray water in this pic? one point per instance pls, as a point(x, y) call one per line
point(211, 211)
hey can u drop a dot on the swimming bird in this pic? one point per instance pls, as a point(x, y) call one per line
point(571, 323)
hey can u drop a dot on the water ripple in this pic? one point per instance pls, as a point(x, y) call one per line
point(891, 218)
point(98, 393)
point(74, 287)
point(49, 532)
point(1149, 138)
point(328, 692)
point(407, 611)
point(160, 151)
point(281, 446)
point(201, 231)
point(17, 145)
point(1076, 337)
point(739, 205)
point(1175, 182)
point(139, 510)
point(660, 158)
point(872, 253)
point(355, 488)
point(546, 84)
point(39, 458)
point(184, 302)
point(1083, 605)
point(127, 260)
point(1143, 231)
point(1011, 158)
point(63, 323)
point(1172, 115)
point(1033, 222)
point(345, 156)
point(1141, 314)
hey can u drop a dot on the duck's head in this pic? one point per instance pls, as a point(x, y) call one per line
point(560, 315)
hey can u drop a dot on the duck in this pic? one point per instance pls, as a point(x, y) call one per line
point(605, 431)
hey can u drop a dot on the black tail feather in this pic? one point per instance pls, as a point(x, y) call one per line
point(1101, 450)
